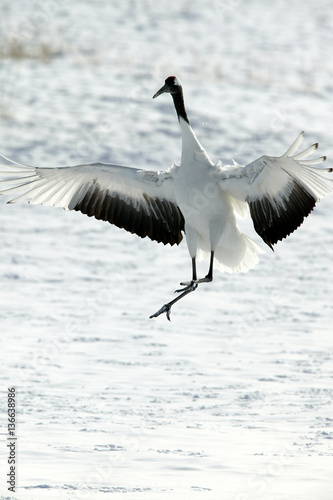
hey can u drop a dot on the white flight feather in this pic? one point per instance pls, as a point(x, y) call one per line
point(269, 176)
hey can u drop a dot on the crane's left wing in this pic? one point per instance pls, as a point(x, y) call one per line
point(140, 201)
point(280, 191)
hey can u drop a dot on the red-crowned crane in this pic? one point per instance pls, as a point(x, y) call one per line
point(198, 197)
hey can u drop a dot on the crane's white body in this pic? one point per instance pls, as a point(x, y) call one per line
point(210, 222)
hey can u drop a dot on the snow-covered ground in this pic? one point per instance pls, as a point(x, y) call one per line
point(232, 399)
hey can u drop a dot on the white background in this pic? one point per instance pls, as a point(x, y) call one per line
point(232, 399)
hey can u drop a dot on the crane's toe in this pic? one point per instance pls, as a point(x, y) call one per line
point(186, 283)
point(190, 286)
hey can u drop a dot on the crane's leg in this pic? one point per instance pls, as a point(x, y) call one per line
point(206, 279)
point(194, 269)
point(167, 307)
point(209, 276)
point(192, 285)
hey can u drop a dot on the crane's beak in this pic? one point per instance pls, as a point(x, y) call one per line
point(163, 89)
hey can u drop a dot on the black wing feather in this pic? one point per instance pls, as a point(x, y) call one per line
point(274, 221)
point(159, 219)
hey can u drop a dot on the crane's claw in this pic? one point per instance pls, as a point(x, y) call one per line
point(164, 309)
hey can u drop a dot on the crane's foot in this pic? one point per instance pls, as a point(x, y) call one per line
point(190, 286)
point(164, 309)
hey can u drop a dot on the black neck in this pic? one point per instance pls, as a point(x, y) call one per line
point(178, 101)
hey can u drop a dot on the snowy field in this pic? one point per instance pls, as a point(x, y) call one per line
point(231, 400)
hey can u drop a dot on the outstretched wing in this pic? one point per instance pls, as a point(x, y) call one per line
point(140, 201)
point(280, 191)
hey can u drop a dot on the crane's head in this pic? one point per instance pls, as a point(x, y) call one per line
point(172, 86)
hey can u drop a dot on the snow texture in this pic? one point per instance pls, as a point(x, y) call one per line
point(232, 399)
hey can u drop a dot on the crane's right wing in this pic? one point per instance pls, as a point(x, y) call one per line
point(140, 201)
point(280, 191)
